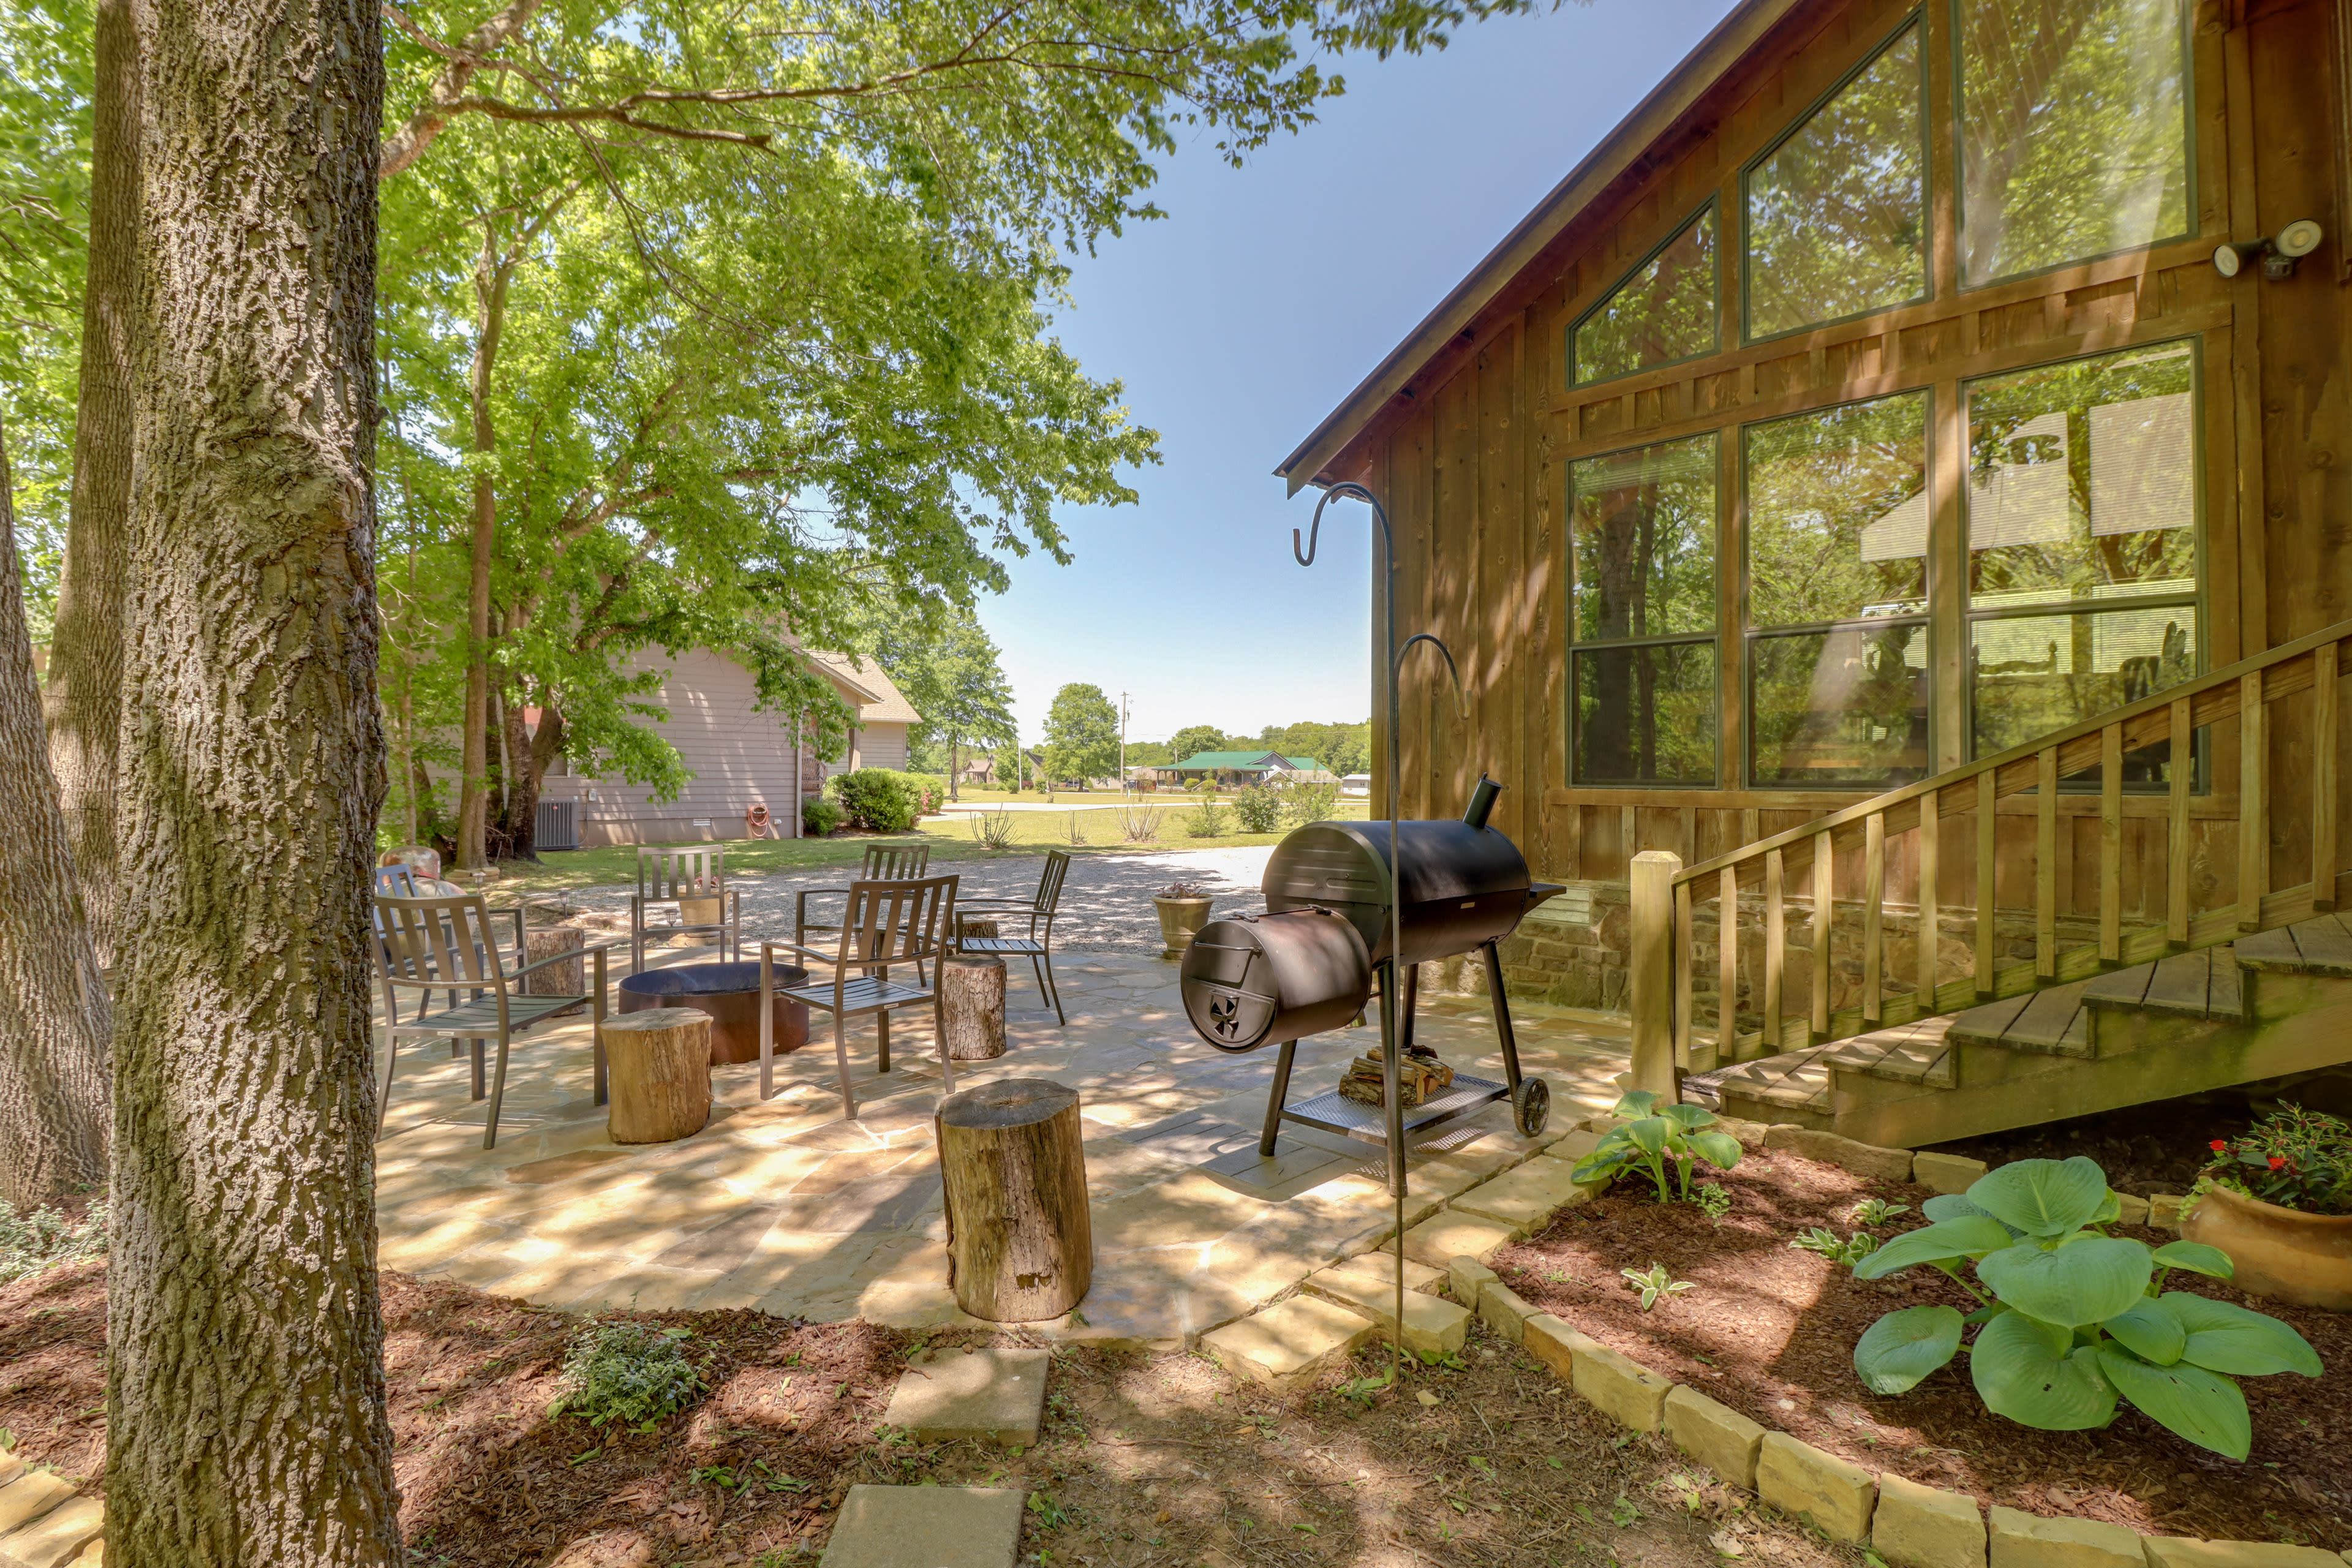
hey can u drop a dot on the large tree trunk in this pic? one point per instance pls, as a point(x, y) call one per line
point(53, 1024)
point(473, 798)
point(245, 1380)
point(85, 696)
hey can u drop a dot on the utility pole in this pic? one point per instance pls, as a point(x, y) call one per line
point(1122, 743)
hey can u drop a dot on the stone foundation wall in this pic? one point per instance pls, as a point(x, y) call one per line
point(1571, 953)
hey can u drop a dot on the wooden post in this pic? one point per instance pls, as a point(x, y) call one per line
point(660, 1067)
point(1650, 972)
point(971, 1006)
point(556, 979)
point(1020, 1242)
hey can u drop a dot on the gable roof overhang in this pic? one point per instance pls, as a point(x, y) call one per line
point(1655, 125)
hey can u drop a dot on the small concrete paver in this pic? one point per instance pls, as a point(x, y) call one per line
point(981, 1395)
point(925, 1527)
point(29, 1496)
point(1450, 1233)
point(56, 1536)
point(1433, 1325)
point(785, 1207)
point(1290, 1341)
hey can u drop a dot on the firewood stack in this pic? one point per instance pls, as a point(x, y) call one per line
point(1420, 1077)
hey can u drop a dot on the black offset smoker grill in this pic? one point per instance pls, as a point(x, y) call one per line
point(1310, 963)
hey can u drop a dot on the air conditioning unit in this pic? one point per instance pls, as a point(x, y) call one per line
point(557, 825)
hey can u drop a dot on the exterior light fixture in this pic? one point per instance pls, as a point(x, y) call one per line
point(2278, 256)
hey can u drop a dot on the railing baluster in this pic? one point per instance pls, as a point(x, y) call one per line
point(1726, 965)
point(2045, 865)
point(1930, 914)
point(1987, 877)
point(2253, 801)
point(1686, 939)
point(1825, 916)
point(1873, 926)
point(2175, 865)
point(2111, 844)
point(2324, 804)
point(1775, 953)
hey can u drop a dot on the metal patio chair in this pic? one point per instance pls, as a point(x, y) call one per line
point(1038, 945)
point(428, 944)
point(669, 877)
point(885, 926)
point(882, 864)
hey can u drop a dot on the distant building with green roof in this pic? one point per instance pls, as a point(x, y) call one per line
point(1240, 767)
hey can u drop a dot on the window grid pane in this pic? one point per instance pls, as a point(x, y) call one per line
point(1837, 514)
point(1645, 714)
point(1665, 312)
point(1643, 529)
point(1837, 215)
point(1840, 708)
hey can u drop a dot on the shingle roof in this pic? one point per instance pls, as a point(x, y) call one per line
point(885, 704)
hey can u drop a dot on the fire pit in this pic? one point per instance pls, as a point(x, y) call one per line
point(730, 992)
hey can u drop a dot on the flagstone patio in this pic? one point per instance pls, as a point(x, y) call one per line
point(786, 1207)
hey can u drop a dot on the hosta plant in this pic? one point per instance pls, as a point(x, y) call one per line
point(2072, 1322)
point(1662, 1141)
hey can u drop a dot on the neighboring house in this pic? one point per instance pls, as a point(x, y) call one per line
point(1246, 767)
point(1355, 785)
point(1897, 388)
point(740, 755)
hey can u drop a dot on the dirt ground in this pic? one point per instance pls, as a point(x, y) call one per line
point(1770, 1331)
point(1146, 1460)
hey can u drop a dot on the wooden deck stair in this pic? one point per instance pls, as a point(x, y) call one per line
point(2272, 1003)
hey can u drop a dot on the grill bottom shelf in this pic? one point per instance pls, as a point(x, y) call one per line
point(1335, 1112)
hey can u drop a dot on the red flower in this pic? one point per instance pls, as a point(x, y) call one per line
point(2277, 1163)
point(2220, 1145)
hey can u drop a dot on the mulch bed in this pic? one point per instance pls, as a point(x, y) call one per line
point(1770, 1332)
point(1146, 1461)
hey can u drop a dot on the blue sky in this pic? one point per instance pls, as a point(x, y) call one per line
point(1244, 317)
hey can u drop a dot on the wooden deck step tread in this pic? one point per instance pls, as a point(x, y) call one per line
point(2320, 946)
point(1917, 1052)
point(1793, 1078)
point(2052, 1021)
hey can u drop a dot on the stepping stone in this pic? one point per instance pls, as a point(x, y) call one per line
point(56, 1536)
point(1450, 1234)
point(1432, 1323)
point(985, 1396)
point(1526, 1198)
point(1290, 1339)
point(925, 1527)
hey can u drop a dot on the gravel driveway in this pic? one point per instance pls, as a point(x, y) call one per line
point(1106, 902)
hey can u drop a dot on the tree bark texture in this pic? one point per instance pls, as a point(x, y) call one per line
point(84, 701)
point(54, 1022)
point(972, 1003)
point(1020, 1240)
point(490, 278)
point(245, 1398)
point(658, 1063)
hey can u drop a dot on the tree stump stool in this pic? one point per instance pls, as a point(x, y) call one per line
point(556, 979)
point(972, 1003)
point(1020, 1242)
point(977, 925)
point(658, 1062)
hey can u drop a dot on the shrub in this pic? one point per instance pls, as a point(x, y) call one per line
point(2295, 1158)
point(1657, 1140)
point(43, 1239)
point(877, 799)
point(819, 815)
point(1306, 802)
point(2073, 1321)
point(993, 828)
point(1140, 823)
point(931, 792)
point(630, 1372)
point(1206, 820)
point(1259, 807)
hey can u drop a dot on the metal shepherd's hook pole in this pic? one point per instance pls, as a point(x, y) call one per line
point(1392, 982)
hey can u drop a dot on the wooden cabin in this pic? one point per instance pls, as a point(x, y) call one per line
point(1901, 475)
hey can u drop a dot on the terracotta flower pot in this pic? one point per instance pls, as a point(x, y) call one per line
point(2280, 1253)
point(1180, 921)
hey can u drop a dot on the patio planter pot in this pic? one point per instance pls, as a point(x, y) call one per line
point(702, 912)
point(2280, 1253)
point(1180, 921)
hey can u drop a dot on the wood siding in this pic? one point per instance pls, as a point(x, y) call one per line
point(1470, 460)
point(739, 756)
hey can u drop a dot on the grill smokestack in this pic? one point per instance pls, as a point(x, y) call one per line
point(1482, 802)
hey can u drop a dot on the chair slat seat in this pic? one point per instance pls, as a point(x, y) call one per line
point(867, 993)
point(1037, 947)
point(482, 1018)
point(1013, 946)
point(884, 925)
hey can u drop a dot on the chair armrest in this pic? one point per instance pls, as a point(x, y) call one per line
point(769, 946)
point(812, 892)
point(965, 906)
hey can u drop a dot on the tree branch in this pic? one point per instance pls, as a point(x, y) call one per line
point(406, 145)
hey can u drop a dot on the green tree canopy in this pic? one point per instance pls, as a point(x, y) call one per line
point(948, 670)
point(1081, 735)
point(1195, 739)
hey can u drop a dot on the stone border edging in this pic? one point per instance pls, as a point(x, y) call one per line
point(44, 1522)
point(1909, 1524)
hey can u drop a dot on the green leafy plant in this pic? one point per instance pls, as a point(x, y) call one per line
point(1653, 1283)
point(1662, 1141)
point(627, 1372)
point(1206, 820)
point(1138, 824)
point(1306, 802)
point(1872, 1212)
point(1078, 834)
point(2295, 1158)
point(1713, 1198)
point(819, 815)
point(1259, 807)
point(35, 1242)
point(877, 798)
point(2073, 1322)
point(1848, 1251)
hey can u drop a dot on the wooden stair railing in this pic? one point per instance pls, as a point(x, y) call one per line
point(1668, 897)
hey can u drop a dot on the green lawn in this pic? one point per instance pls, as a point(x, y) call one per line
point(950, 839)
